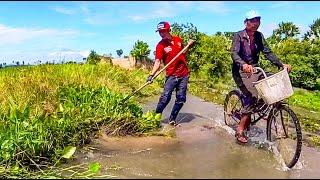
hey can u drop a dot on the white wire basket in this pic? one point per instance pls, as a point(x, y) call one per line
point(275, 87)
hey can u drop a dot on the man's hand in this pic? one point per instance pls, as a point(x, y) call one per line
point(191, 41)
point(149, 79)
point(247, 68)
point(288, 66)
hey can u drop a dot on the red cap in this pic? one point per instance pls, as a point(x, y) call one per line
point(163, 26)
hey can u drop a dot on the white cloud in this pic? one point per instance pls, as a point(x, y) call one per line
point(90, 17)
point(170, 9)
point(84, 8)
point(161, 10)
point(84, 53)
point(64, 10)
point(281, 4)
point(213, 6)
point(184, 3)
point(12, 35)
point(149, 11)
point(98, 19)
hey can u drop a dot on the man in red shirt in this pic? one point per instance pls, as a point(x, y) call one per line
point(177, 73)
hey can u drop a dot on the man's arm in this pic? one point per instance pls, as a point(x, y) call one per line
point(235, 48)
point(269, 54)
point(156, 67)
point(157, 63)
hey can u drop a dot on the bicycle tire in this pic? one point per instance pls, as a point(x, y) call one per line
point(297, 129)
point(227, 114)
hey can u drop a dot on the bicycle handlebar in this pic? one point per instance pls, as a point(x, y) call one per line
point(256, 69)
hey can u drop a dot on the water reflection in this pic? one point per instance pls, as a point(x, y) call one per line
point(202, 148)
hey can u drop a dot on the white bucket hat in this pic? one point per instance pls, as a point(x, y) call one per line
point(252, 14)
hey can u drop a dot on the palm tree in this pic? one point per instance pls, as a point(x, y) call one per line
point(314, 31)
point(285, 31)
point(119, 52)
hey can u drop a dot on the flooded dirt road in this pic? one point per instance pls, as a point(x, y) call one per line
point(203, 147)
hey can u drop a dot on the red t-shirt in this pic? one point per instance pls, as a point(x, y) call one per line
point(166, 51)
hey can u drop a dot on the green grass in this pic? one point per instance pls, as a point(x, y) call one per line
point(307, 99)
point(306, 104)
point(46, 108)
point(211, 90)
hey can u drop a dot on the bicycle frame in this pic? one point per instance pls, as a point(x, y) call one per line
point(265, 112)
point(265, 109)
point(269, 108)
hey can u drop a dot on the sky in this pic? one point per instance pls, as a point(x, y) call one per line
point(60, 30)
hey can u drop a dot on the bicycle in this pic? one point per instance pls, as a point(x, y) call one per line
point(283, 125)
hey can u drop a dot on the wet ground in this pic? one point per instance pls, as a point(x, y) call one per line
point(202, 147)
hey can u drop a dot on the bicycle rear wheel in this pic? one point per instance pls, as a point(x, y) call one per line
point(232, 106)
point(284, 130)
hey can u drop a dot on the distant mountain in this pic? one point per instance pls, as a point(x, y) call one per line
point(64, 55)
point(67, 56)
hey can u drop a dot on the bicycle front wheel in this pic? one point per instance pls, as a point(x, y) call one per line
point(232, 106)
point(284, 130)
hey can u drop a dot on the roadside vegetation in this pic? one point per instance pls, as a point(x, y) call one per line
point(46, 109)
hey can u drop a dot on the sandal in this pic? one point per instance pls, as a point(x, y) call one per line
point(172, 123)
point(241, 137)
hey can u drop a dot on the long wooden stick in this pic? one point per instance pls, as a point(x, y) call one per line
point(157, 74)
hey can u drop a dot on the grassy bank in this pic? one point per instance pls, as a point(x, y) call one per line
point(46, 108)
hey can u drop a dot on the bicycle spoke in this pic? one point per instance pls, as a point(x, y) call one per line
point(235, 105)
point(284, 130)
point(232, 107)
point(283, 125)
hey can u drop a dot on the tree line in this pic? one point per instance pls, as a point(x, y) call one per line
point(210, 54)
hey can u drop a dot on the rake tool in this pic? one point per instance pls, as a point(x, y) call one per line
point(157, 74)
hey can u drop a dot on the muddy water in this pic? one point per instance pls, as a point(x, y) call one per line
point(202, 147)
